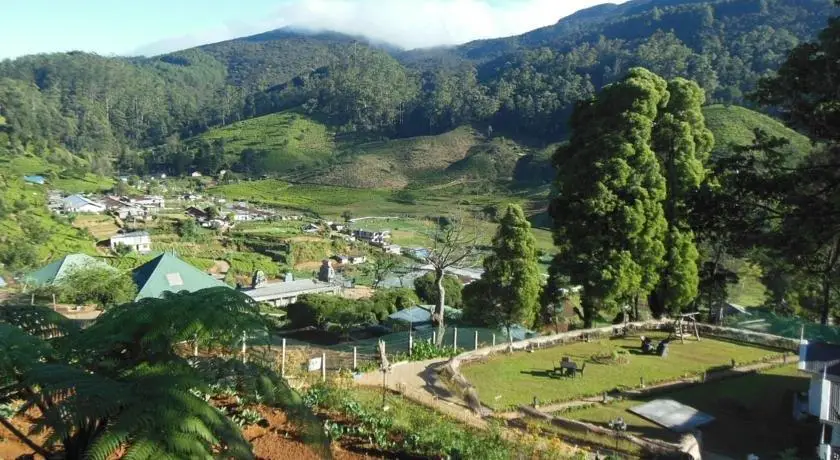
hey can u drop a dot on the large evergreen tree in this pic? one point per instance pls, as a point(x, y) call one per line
point(609, 223)
point(683, 144)
point(508, 293)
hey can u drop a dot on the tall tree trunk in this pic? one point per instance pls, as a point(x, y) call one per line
point(587, 304)
point(439, 310)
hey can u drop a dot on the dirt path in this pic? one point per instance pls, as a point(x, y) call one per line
point(421, 382)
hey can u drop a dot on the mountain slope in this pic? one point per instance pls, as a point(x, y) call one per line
point(301, 150)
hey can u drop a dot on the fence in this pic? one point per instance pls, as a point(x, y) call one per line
point(790, 327)
point(362, 355)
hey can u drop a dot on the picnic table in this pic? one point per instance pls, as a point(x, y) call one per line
point(568, 367)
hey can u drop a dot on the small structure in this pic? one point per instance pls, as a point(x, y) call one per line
point(327, 273)
point(357, 260)
point(672, 415)
point(392, 249)
point(37, 180)
point(822, 361)
point(80, 204)
point(148, 201)
point(199, 215)
point(284, 293)
point(138, 241)
point(310, 228)
point(373, 237)
point(195, 174)
point(687, 322)
point(56, 271)
point(168, 273)
point(337, 227)
point(341, 259)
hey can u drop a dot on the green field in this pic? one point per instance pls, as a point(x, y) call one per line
point(752, 413)
point(733, 125)
point(288, 140)
point(506, 381)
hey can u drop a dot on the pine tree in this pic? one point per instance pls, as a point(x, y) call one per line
point(508, 293)
point(683, 143)
point(609, 224)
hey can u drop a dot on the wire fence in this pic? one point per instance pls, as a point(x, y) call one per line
point(784, 326)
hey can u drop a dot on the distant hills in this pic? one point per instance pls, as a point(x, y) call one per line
point(342, 103)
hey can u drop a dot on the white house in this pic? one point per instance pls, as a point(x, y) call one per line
point(373, 237)
point(357, 260)
point(196, 174)
point(153, 201)
point(138, 241)
point(78, 203)
point(392, 249)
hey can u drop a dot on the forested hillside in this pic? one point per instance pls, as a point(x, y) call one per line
point(136, 114)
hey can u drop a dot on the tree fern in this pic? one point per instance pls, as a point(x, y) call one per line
point(122, 385)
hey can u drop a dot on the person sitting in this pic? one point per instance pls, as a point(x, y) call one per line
point(662, 348)
point(647, 345)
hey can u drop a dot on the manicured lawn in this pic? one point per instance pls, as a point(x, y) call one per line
point(506, 381)
point(753, 413)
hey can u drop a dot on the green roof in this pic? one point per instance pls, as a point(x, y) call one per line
point(57, 270)
point(168, 273)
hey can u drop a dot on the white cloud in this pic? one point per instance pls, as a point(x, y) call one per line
point(405, 23)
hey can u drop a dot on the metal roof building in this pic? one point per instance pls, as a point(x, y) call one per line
point(168, 273)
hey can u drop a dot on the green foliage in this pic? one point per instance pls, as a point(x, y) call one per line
point(247, 263)
point(103, 286)
point(123, 385)
point(427, 290)
point(683, 145)
point(393, 300)
point(508, 292)
point(609, 180)
point(324, 310)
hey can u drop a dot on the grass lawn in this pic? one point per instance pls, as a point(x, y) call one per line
point(505, 381)
point(753, 413)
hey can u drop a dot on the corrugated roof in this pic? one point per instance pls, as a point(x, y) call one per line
point(168, 273)
point(57, 270)
point(130, 235)
point(275, 291)
point(77, 201)
point(34, 179)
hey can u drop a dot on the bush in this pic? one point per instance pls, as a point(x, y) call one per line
point(427, 290)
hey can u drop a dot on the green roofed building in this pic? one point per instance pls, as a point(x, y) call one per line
point(56, 271)
point(168, 273)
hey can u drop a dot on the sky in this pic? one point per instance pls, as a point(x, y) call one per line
point(150, 27)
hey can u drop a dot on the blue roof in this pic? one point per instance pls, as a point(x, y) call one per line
point(34, 179)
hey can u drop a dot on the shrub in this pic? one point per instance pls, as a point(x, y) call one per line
point(427, 290)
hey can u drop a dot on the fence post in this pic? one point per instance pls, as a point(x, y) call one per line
point(434, 337)
point(410, 343)
point(323, 367)
point(244, 346)
point(476, 341)
point(455, 339)
point(354, 359)
point(494, 340)
point(283, 361)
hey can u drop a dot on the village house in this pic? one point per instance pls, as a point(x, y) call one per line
point(148, 201)
point(373, 237)
point(139, 242)
point(341, 259)
point(392, 249)
point(123, 209)
point(310, 228)
point(357, 260)
point(168, 273)
point(199, 215)
point(287, 292)
point(80, 204)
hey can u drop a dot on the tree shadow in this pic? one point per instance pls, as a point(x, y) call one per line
point(545, 373)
